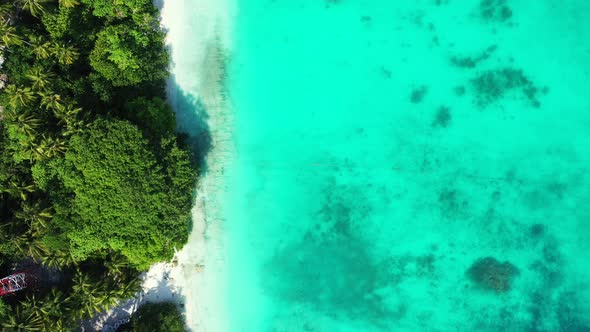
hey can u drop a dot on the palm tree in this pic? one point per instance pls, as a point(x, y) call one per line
point(87, 297)
point(19, 189)
point(35, 216)
point(8, 36)
point(5, 11)
point(52, 307)
point(50, 100)
point(34, 7)
point(36, 250)
point(65, 54)
point(57, 325)
point(50, 147)
point(33, 150)
point(27, 123)
point(67, 114)
point(40, 47)
point(3, 232)
point(68, 3)
point(125, 290)
point(19, 96)
point(116, 265)
point(33, 305)
point(48, 311)
point(59, 259)
point(17, 242)
point(40, 78)
point(74, 128)
point(22, 319)
point(54, 303)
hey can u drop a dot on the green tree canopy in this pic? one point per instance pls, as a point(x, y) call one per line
point(34, 7)
point(119, 195)
point(93, 182)
point(156, 317)
point(155, 115)
point(119, 9)
point(127, 55)
point(4, 310)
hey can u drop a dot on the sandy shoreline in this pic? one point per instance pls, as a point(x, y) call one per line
point(199, 37)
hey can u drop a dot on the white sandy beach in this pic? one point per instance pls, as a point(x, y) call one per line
point(199, 38)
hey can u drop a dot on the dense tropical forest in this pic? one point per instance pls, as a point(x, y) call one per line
point(155, 317)
point(95, 184)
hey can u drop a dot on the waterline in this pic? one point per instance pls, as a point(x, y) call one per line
point(199, 38)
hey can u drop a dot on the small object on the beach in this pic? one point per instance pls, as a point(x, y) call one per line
point(418, 94)
point(491, 274)
point(3, 81)
point(200, 267)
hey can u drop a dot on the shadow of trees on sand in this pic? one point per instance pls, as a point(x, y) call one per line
point(191, 122)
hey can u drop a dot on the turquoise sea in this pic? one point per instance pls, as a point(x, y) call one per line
point(409, 166)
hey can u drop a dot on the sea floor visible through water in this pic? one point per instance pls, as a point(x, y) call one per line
point(409, 166)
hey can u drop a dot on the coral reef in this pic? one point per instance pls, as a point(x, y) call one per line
point(570, 314)
point(537, 230)
point(418, 94)
point(442, 117)
point(473, 61)
point(452, 203)
point(491, 274)
point(494, 10)
point(491, 85)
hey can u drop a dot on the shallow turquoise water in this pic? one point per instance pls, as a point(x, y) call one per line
point(383, 147)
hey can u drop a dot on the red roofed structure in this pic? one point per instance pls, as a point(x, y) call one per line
point(13, 283)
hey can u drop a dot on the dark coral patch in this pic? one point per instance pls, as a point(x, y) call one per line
point(442, 117)
point(495, 10)
point(491, 274)
point(537, 230)
point(492, 85)
point(418, 94)
point(472, 61)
